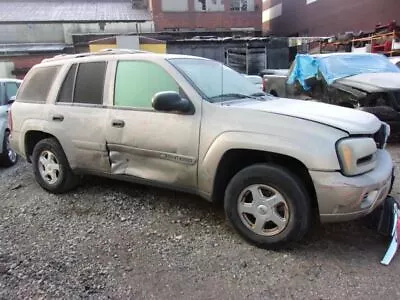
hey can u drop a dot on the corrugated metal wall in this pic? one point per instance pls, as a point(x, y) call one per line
point(241, 56)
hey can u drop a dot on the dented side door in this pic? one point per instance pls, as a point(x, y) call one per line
point(147, 144)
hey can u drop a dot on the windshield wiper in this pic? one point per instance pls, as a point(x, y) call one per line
point(238, 96)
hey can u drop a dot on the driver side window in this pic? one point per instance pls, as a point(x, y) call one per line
point(136, 82)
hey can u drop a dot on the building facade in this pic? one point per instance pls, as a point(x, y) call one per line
point(206, 15)
point(33, 29)
point(326, 17)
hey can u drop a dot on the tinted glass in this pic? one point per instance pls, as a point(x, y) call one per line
point(11, 89)
point(37, 84)
point(67, 87)
point(138, 81)
point(90, 83)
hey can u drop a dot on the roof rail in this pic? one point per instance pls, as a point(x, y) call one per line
point(87, 54)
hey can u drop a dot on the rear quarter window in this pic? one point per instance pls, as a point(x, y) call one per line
point(37, 84)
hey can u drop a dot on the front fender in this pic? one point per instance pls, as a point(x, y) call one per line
point(315, 155)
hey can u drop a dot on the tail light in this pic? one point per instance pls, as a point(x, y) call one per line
point(10, 120)
point(263, 85)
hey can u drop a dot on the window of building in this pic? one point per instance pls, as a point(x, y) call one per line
point(242, 5)
point(173, 5)
point(148, 79)
point(89, 83)
point(38, 84)
point(209, 5)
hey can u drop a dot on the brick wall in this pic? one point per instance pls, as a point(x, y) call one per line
point(191, 19)
point(327, 17)
point(25, 63)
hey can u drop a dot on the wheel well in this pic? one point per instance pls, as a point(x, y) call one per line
point(237, 159)
point(273, 93)
point(31, 139)
point(346, 104)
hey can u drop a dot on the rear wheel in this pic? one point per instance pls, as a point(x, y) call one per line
point(51, 168)
point(8, 156)
point(268, 206)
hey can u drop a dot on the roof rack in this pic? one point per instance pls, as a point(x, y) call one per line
point(87, 54)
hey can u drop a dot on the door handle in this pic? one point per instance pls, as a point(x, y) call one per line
point(58, 118)
point(118, 123)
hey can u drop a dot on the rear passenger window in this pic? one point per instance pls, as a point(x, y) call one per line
point(37, 84)
point(67, 88)
point(89, 83)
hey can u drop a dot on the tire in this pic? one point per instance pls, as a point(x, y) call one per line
point(57, 178)
point(271, 180)
point(8, 156)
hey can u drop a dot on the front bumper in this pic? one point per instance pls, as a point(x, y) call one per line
point(342, 198)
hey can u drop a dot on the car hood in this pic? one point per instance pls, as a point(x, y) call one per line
point(373, 82)
point(350, 120)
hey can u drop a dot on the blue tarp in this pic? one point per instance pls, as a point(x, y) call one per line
point(337, 66)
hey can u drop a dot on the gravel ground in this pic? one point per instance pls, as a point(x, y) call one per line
point(115, 240)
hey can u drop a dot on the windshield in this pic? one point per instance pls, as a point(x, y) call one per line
point(215, 80)
point(340, 66)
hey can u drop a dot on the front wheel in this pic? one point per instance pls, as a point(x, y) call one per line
point(51, 167)
point(268, 206)
point(8, 156)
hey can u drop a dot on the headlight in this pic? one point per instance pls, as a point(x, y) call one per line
point(356, 155)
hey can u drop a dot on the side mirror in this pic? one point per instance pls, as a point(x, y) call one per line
point(170, 101)
point(11, 100)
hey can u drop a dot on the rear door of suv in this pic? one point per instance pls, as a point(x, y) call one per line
point(78, 116)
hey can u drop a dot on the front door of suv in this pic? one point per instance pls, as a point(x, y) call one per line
point(78, 116)
point(147, 144)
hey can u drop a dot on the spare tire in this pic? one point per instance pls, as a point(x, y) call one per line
point(383, 113)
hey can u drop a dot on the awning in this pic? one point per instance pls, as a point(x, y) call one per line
point(9, 49)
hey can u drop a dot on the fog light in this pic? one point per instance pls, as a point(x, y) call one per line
point(368, 199)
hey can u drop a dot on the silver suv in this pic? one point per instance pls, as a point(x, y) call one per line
point(195, 125)
point(8, 90)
